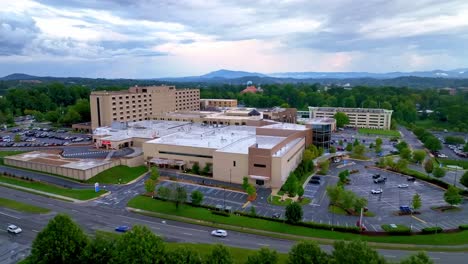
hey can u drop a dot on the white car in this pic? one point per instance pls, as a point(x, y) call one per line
point(14, 229)
point(402, 185)
point(219, 233)
point(377, 191)
point(443, 156)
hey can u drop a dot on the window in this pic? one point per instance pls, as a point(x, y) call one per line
point(233, 163)
point(260, 182)
point(259, 165)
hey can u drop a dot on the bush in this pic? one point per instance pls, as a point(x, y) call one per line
point(463, 227)
point(222, 213)
point(432, 230)
point(400, 230)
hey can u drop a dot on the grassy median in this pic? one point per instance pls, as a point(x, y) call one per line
point(381, 132)
point(187, 211)
point(53, 189)
point(18, 206)
point(9, 153)
point(118, 174)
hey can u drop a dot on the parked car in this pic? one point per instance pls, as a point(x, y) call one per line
point(411, 179)
point(377, 191)
point(376, 176)
point(14, 229)
point(122, 228)
point(380, 180)
point(276, 215)
point(219, 233)
point(403, 185)
point(316, 178)
point(314, 181)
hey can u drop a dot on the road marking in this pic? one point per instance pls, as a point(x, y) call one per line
point(263, 245)
point(419, 219)
point(12, 216)
point(35, 231)
point(389, 256)
point(188, 234)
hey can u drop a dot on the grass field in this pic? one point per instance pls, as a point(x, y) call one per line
point(123, 173)
point(153, 205)
point(433, 125)
point(461, 163)
point(8, 153)
point(72, 193)
point(27, 208)
point(381, 132)
point(276, 201)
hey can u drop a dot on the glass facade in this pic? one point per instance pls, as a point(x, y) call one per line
point(321, 135)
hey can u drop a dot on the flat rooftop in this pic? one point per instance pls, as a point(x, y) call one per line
point(52, 159)
point(320, 121)
point(242, 146)
point(350, 110)
point(286, 126)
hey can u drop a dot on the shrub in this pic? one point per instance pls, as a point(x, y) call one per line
point(222, 213)
point(401, 230)
point(432, 230)
point(463, 227)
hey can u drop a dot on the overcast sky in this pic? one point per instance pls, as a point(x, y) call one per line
point(160, 38)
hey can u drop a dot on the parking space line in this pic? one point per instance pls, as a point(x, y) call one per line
point(419, 219)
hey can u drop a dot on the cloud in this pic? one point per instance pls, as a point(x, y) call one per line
point(16, 31)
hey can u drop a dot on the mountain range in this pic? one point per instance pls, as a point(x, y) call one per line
point(416, 79)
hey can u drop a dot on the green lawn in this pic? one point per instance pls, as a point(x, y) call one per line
point(338, 210)
point(276, 201)
point(22, 206)
point(381, 132)
point(460, 163)
point(72, 193)
point(8, 153)
point(433, 125)
point(153, 205)
point(123, 173)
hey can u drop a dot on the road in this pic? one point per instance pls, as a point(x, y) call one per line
point(93, 216)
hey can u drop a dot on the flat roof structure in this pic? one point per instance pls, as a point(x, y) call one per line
point(286, 126)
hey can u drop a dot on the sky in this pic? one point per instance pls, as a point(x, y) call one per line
point(162, 38)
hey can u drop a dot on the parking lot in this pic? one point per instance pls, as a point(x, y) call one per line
point(350, 135)
point(40, 137)
point(451, 151)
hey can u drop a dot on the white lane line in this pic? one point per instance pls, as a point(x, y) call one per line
point(188, 234)
point(12, 216)
point(263, 245)
point(35, 231)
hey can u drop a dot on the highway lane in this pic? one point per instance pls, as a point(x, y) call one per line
point(100, 217)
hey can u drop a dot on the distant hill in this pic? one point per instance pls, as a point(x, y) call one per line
point(18, 76)
point(228, 74)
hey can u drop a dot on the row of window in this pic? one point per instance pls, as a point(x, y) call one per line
point(128, 97)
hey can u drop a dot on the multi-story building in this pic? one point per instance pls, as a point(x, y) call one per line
point(140, 103)
point(284, 115)
point(358, 117)
point(217, 103)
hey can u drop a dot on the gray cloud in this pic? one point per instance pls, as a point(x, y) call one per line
point(16, 32)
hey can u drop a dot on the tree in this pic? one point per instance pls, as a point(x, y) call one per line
point(454, 140)
point(419, 155)
point(197, 197)
point(308, 155)
point(371, 145)
point(307, 252)
point(359, 203)
point(183, 255)
point(348, 199)
point(349, 147)
point(359, 150)
point(61, 241)
point(343, 175)
point(300, 192)
point(253, 212)
point(378, 142)
point(340, 142)
point(405, 154)
point(378, 149)
point(220, 255)
point(355, 252)
point(99, 250)
point(401, 164)
point(164, 193)
point(196, 168)
point(150, 185)
point(416, 201)
point(207, 169)
point(251, 192)
point(293, 213)
point(332, 149)
point(438, 172)
point(452, 196)
point(324, 166)
point(17, 138)
point(71, 117)
point(464, 179)
point(341, 119)
point(433, 144)
point(334, 193)
point(429, 166)
point(245, 183)
point(263, 256)
point(179, 195)
point(419, 258)
point(291, 184)
point(401, 145)
point(465, 148)
point(139, 245)
point(154, 175)
point(356, 142)
point(381, 162)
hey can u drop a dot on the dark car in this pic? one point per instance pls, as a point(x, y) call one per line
point(411, 179)
point(376, 176)
point(276, 215)
point(380, 180)
point(316, 178)
point(314, 181)
point(122, 228)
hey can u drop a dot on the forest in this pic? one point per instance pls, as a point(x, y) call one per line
point(69, 103)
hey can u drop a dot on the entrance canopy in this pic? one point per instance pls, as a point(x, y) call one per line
point(258, 177)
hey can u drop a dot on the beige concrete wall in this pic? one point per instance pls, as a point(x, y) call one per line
point(151, 150)
point(133, 161)
point(67, 172)
point(224, 163)
point(282, 166)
